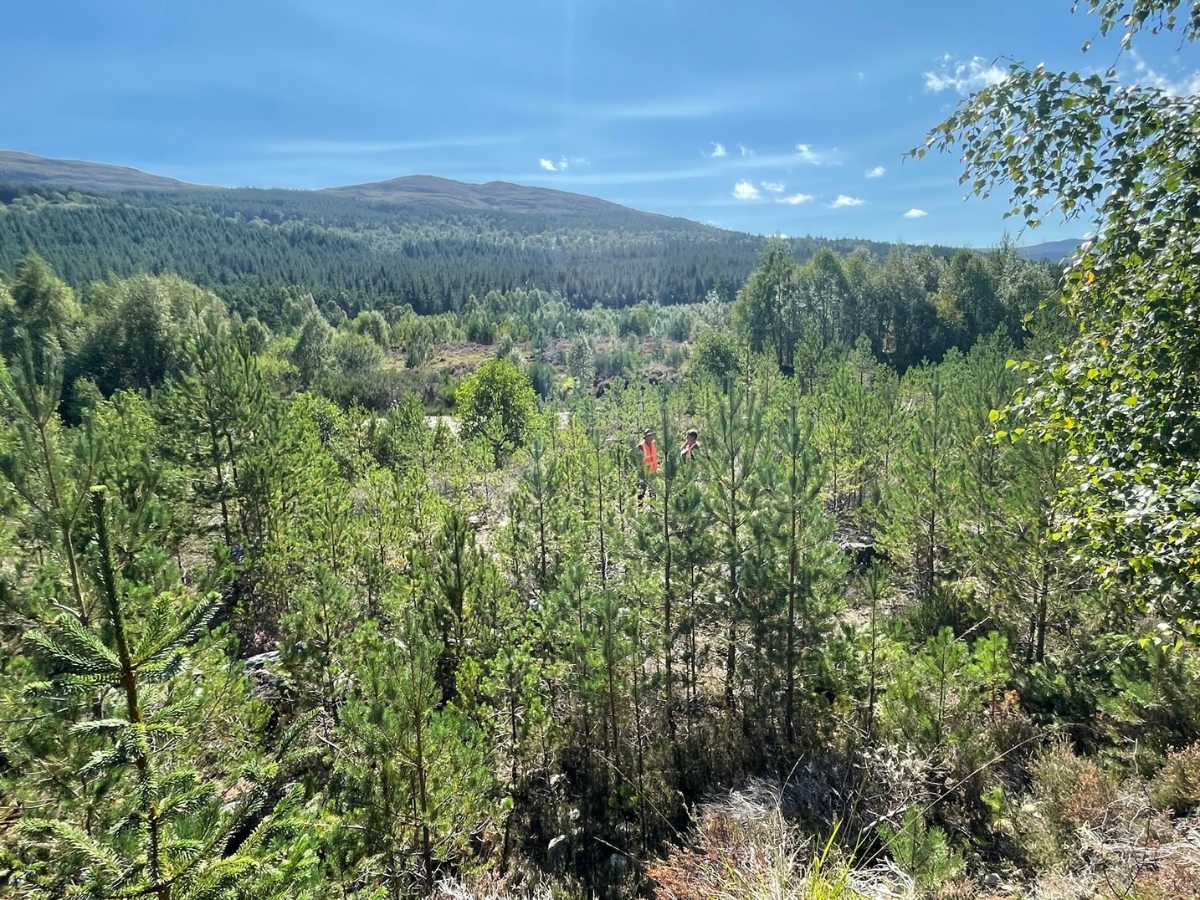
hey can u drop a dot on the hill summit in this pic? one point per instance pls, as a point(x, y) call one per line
point(407, 190)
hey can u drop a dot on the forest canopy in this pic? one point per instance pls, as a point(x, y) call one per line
point(871, 571)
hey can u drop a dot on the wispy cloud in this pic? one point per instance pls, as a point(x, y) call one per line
point(813, 157)
point(746, 151)
point(964, 76)
point(670, 108)
point(795, 199)
point(843, 201)
point(744, 190)
point(1183, 86)
point(561, 166)
point(915, 214)
point(808, 155)
point(366, 148)
point(718, 150)
point(775, 187)
point(876, 172)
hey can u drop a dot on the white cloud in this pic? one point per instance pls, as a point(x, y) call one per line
point(808, 155)
point(746, 151)
point(550, 166)
point(718, 150)
point(964, 76)
point(876, 172)
point(795, 199)
point(775, 187)
point(744, 190)
point(915, 214)
point(1184, 86)
point(843, 200)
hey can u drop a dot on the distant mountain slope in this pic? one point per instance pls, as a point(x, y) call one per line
point(408, 190)
point(427, 242)
point(495, 196)
point(1055, 251)
point(24, 168)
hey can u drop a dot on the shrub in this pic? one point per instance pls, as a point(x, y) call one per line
point(372, 324)
point(497, 402)
point(1177, 786)
point(614, 364)
point(715, 354)
point(355, 354)
point(543, 376)
point(920, 850)
point(1071, 792)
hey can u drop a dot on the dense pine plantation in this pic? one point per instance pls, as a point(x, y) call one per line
point(260, 644)
point(353, 254)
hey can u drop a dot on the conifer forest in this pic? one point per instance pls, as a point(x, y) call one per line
point(407, 588)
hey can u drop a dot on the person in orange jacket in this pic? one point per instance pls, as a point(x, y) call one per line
point(649, 463)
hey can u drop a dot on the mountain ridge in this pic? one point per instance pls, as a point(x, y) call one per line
point(429, 243)
point(26, 168)
point(1055, 251)
point(405, 190)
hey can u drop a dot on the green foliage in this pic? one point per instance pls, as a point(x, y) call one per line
point(581, 363)
point(920, 850)
point(169, 833)
point(1177, 786)
point(138, 330)
point(43, 310)
point(497, 403)
point(715, 354)
point(413, 775)
point(312, 348)
point(1121, 393)
point(427, 653)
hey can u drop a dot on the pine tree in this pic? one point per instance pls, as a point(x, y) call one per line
point(415, 786)
point(917, 507)
point(170, 834)
point(807, 528)
point(47, 466)
point(732, 497)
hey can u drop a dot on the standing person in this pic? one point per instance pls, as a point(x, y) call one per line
point(649, 464)
point(691, 444)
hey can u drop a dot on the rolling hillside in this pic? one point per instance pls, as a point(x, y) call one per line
point(427, 242)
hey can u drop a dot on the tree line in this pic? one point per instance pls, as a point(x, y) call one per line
point(356, 255)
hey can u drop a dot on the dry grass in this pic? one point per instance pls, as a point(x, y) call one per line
point(745, 850)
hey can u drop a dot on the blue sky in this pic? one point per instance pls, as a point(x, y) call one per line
point(766, 117)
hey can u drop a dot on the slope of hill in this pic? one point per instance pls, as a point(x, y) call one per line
point(418, 240)
point(1055, 251)
point(24, 168)
point(495, 196)
point(406, 191)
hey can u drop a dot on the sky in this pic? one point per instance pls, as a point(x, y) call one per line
point(786, 117)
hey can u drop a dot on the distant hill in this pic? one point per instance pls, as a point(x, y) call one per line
point(426, 242)
point(1055, 251)
point(24, 168)
point(406, 191)
point(495, 196)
